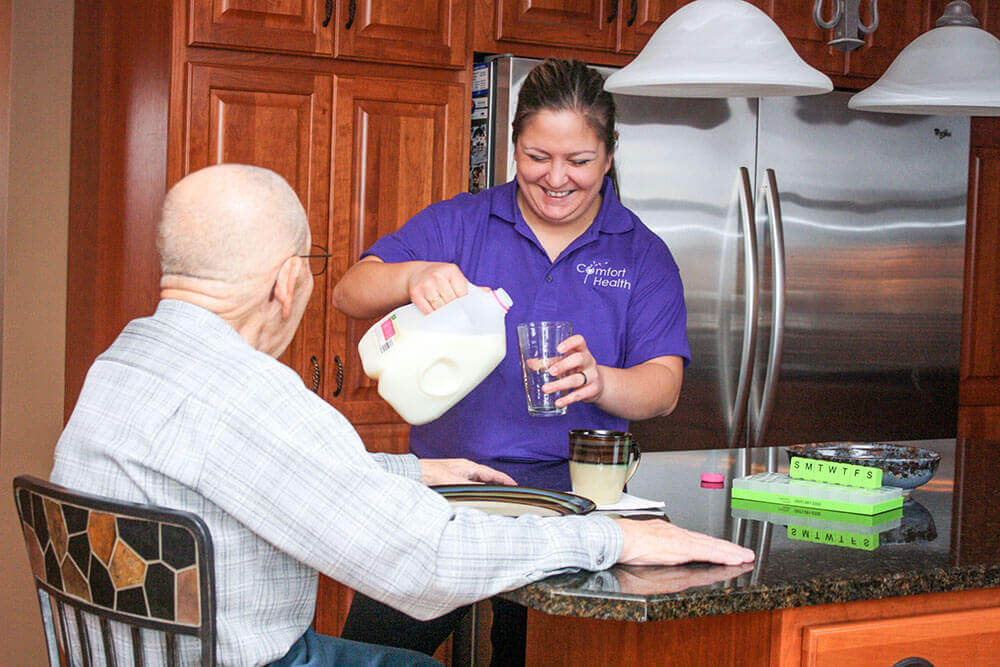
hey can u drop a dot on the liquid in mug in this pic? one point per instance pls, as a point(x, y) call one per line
point(601, 482)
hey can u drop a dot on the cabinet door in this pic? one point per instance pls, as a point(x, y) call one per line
point(979, 389)
point(583, 24)
point(295, 26)
point(399, 146)
point(795, 18)
point(899, 24)
point(431, 32)
point(956, 638)
point(640, 19)
point(278, 120)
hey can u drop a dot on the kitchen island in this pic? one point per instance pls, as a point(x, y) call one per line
point(923, 585)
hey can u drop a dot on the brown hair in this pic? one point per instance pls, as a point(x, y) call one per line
point(569, 85)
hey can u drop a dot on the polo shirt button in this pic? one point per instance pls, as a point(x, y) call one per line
point(548, 279)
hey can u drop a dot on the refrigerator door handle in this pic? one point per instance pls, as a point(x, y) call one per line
point(750, 322)
point(773, 203)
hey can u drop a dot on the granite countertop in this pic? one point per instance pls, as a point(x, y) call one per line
point(946, 540)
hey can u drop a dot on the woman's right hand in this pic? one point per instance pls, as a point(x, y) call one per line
point(433, 284)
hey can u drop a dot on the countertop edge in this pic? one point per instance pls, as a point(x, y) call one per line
point(711, 602)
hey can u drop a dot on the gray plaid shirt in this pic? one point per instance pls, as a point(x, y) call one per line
point(181, 412)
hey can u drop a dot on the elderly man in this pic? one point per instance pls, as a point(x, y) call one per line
point(190, 409)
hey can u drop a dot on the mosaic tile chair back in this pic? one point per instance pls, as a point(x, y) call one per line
point(118, 583)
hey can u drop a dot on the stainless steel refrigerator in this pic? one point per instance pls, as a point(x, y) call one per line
point(821, 251)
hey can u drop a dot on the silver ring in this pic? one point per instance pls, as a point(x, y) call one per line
point(584, 378)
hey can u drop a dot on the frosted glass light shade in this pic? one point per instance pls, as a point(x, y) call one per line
point(718, 48)
point(952, 70)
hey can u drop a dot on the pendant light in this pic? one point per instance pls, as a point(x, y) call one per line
point(953, 69)
point(718, 48)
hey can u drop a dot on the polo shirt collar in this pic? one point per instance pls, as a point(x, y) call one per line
point(612, 218)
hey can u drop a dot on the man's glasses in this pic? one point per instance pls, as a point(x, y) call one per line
point(317, 257)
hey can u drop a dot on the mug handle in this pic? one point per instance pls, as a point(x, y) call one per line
point(634, 462)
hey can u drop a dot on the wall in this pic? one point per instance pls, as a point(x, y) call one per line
point(34, 298)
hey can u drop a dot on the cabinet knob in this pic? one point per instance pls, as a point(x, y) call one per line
point(633, 13)
point(329, 13)
point(614, 11)
point(914, 662)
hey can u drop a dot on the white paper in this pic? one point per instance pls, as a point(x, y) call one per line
point(630, 502)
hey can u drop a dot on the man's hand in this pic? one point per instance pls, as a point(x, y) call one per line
point(663, 543)
point(460, 471)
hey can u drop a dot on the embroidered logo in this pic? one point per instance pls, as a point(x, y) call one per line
point(599, 274)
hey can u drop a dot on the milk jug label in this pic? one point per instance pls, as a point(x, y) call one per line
point(386, 333)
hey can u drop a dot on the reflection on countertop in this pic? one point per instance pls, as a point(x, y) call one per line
point(945, 539)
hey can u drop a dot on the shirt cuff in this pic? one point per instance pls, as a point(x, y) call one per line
point(404, 465)
point(605, 539)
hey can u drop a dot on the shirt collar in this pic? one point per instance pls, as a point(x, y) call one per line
point(612, 218)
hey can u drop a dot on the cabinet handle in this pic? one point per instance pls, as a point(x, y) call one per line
point(838, 12)
point(329, 13)
point(340, 375)
point(633, 13)
point(869, 29)
point(914, 662)
point(614, 11)
point(352, 7)
point(316, 373)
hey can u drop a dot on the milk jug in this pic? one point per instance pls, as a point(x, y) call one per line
point(426, 363)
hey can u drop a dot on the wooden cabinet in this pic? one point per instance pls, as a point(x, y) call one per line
point(429, 32)
point(292, 26)
point(393, 146)
point(612, 26)
point(899, 24)
point(959, 628)
point(640, 19)
point(399, 147)
point(967, 637)
point(588, 25)
point(281, 121)
point(979, 391)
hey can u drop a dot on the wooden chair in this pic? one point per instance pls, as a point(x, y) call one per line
point(138, 576)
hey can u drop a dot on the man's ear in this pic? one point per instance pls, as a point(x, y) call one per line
point(286, 283)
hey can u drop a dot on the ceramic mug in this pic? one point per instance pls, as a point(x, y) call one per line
point(601, 463)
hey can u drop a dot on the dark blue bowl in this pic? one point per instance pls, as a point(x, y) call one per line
point(902, 465)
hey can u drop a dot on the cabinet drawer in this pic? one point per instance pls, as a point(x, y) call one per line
point(956, 638)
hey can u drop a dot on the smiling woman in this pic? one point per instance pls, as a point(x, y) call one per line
point(561, 164)
point(559, 241)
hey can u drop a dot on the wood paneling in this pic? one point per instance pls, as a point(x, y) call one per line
point(979, 394)
point(118, 157)
point(943, 639)
point(281, 121)
point(590, 24)
point(432, 32)
point(788, 647)
point(400, 146)
point(730, 639)
point(273, 25)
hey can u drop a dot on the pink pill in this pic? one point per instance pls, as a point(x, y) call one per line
point(713, 477)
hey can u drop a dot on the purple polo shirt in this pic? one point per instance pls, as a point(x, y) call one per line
point(617, 284)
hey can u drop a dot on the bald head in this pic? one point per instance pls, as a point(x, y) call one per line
point(230, 223)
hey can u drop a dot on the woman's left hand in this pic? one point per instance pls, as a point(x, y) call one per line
point(578, 373)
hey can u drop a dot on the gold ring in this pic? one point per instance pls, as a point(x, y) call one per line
point(435, 298)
